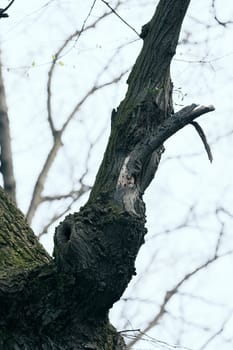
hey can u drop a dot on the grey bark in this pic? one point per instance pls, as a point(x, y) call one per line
point(6, 160)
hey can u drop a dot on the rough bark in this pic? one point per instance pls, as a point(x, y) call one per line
point(63, 303)
point(6, 161)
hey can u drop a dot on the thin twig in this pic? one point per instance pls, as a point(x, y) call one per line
point(89, 93)
point(224, 24)
point(114, 11)
point(74, 195)
point(57, 134)
point(218, 332)
point(39, 186)
point(170, 293)
point(57, 56)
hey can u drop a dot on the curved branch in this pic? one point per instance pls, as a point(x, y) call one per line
point(3, 11)
point(204, 139)
point(39, 186)
point(57, 144)
point(59, 53)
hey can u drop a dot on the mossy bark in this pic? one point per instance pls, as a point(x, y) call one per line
point(19, 248)
point(63, 303)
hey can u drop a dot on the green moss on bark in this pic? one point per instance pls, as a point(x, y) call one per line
point(19, 247)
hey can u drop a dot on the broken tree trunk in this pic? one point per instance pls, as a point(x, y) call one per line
point(63, 303)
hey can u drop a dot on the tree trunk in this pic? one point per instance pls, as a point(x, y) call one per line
point(63, 303)
point(6, 162)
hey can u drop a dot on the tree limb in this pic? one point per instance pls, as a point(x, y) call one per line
point(57, 144)
point(3, 11)
point(201, 133)
point(60, 53)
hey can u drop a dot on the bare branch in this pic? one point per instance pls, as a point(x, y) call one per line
point(169, 294)
point(3, 11)
point(39, 186)
point(224, 24)
point(201, 133)
point(160, 344)
point(6, 159)
point(88, 94)
point(75, 195)
point(60, 54)
point(218, 332)
point(72, 194)
point(166, 129)
point(177, 121)
point(114, 11)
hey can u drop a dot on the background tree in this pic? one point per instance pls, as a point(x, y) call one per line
point(178, 224)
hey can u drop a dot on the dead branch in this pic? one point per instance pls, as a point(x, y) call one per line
point(201, 133)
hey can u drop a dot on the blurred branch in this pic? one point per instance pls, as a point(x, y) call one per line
point(189, 323)
point(218, 332)
point(72, 194)
point(159, 344)
point(6, 159)
point(57, 134)
point(60, 54)
point(89, 93)
point(185, 223)
point(203, 300)
point(224, 24)
point(169, 294)
point(75, 195)
point(39, 186)
point(57, 143)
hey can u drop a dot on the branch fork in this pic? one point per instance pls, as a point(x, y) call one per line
point(140, 165)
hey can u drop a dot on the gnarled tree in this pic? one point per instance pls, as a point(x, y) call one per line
point(63, 303)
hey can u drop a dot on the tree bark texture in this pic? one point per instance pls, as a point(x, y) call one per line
point(6, 161)
point(63, 303)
